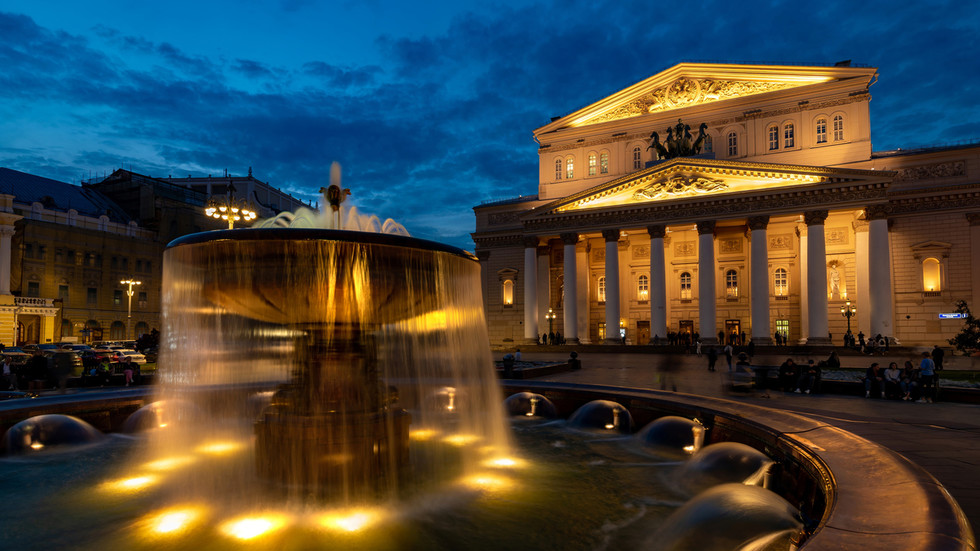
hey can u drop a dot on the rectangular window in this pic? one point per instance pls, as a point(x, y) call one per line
point(773, 138)
point(569, 169)
point(148, 265)
point(28, 250)
point(602, 331)
point(125, 263)
point(114, 262)
point(789, 138)
point(604, 163)
point(59, 256)
point(33, 288)
point(92, 295)
point(142, 299)
point(732, 144)
point(117, 297)
point(782, 327)
point(592, 165)
point(685, 286)
point(637, 159)
point(63, 292)
point(822, 131)
point(139, 265)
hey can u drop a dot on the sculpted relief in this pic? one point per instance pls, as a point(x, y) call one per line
point(679, 186)
point(685, 92)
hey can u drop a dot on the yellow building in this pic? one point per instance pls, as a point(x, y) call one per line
point(727, 199)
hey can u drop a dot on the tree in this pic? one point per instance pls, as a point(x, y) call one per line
point(968, 339)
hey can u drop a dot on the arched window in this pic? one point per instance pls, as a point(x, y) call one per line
point(821, 130)
point(569, 168)
point(643, 287)
point(732, 144)
point(780, 282)
point(508, 292)
point(838, 128)
point(559, 168)
point(789, 136)
point(931, 272)
point(117, 331)
point(773, 138)
point(593, 164)
point(601, 289)
point(686, 286)
point(731, 284)
point(66, 330)
point(637, 158)
point(604, 163)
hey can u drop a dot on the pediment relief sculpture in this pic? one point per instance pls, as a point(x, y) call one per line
point(685, 92)
point(679, 186)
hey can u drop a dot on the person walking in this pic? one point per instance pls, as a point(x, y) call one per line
point(728, 356)
point(8, 372)
point(712, 358)
point(927, 376)
point(698, 348)
point(937, 357)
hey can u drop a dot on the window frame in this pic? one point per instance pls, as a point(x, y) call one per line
point(789, 135)
point(686, 282)
point(569, 168)
point(637, 158)
point(838, 121)
point(780, 282)
point(604, 162)
point(593, 164)
point(643, 288)
point(774, 138)
point(731, 283)
point(600, 289)
point(733, 144)
point(821, 127)
point(559, 168)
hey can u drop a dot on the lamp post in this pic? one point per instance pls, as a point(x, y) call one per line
point(550, 316)
point(230, 209)
point(848, 312)
point(129, 307)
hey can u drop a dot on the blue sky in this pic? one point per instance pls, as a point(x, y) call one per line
point(429, 106)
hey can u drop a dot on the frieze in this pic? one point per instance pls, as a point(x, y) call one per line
point(837, 236)
point(679, 186)
point(599, 255)
point(782, 241)
point(499, 242)
point(685, 248)
point(729, 246)
point(501, 218)
point(928, 172)
point(641, 252)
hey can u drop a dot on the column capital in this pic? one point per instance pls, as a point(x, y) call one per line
point(658, 230)
point(973, 218)
point(569, 238)
point(7, 230)
point(530, 241)
point(876, 212)
point(815, 217)
point(860, 225)
point(758, 222)
point(610, 235)
point(483, 255)
point(706, 226)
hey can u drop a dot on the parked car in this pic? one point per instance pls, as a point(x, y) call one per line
point(133, 356)
point(93, 357)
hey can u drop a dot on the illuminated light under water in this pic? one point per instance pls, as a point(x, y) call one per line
point(170, 463)
point(461, 440)
point(250, 528)
point(504, 463)
point(487, 482)
point(220, 448)
point(176, 520)
point(131, 484)
point(36, 445)
point(350, 520)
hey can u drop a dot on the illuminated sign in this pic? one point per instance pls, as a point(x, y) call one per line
point(954, 315)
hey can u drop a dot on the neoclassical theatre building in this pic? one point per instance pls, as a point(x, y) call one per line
point(729, 199)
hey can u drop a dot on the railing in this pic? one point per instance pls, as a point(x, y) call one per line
point(33, 301)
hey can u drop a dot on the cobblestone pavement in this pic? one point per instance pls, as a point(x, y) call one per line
point(943, 438)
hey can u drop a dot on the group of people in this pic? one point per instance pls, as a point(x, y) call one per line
point(805, 379)
point(910, 383)
point(875, 345)
point(553, 338)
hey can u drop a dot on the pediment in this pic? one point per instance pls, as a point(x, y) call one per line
point(686, 179)
point(691, 84)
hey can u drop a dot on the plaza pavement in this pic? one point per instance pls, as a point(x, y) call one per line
point(943, 438)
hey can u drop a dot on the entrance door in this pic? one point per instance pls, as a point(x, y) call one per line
point(733, 328)
point(642, 332)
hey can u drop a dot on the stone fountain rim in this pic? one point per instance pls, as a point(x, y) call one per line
point(320, 234)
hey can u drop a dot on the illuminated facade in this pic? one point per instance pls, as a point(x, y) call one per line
point(783, 216)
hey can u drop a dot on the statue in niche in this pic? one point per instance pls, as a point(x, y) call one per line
point(834, 282)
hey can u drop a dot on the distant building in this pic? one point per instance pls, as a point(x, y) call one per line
point(781, 219)
point(64, 249)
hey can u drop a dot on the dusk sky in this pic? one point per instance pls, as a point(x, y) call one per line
point(428, 106)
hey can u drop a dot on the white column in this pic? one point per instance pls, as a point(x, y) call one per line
point(658, 285)
point(862, 300)
point(6, 233)
point(570, 300)
point(816, 278)
point(544, 287)
point(879, 272)
point(582, 292)
point(708, 325)
point(760, 278)
point(804, 296)
point(612, 286)
point(531, 289)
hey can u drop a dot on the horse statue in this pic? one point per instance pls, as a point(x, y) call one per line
point(702, 136)
point(657, 147)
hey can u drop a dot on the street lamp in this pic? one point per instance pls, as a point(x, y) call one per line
point(550, 316)
point(129, 307)
point(848, 312)
point(230, 209)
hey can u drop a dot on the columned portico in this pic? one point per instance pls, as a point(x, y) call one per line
point(530, 289)
point(816, 277)
point(658, 285)
point(760, 280)
point(879, 272)
point(706, 282)
point(612, 286)
point(570, 298)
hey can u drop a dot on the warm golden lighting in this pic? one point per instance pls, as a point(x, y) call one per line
point(249, 528)
point(504, 463)
point(130, 484)
point(461, 440)
point(36, 445)
point(170, 463)
point(487, 482)
point(351, 520)
point(229, 209)
point(220, 448)
point(421, 435)
point(173, 521)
